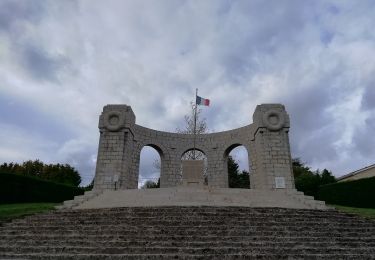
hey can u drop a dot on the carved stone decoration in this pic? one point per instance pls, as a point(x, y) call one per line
point(114, 121)
point(274, 120)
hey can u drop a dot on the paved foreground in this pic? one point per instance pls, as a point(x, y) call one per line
point(189, 232)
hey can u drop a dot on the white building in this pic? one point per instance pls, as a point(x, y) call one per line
point(365, 172)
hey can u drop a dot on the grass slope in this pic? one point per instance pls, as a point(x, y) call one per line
point(11, 211)
point(364, 212)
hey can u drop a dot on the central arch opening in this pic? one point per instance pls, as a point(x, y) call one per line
point(236, 161)
point(149, 167)
point(195, 155)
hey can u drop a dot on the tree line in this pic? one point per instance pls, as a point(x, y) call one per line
point(59, 173)
point(307, 180)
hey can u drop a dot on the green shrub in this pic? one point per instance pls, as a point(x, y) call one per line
point(358, 193)
point(17, 188)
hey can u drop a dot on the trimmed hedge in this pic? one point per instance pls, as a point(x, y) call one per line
point(359, 193)
point(20, 189)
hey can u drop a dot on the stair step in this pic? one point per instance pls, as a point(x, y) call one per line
point(317, 243)
point(66, 256)
point(189, 233)
point(210, 249)
point(196, 238)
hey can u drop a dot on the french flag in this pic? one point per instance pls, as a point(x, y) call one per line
point(202, 101)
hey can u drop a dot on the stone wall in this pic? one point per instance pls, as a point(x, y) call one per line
point(266, 141)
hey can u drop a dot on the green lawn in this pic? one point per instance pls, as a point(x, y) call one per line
point(364, 212)
point(11, 211)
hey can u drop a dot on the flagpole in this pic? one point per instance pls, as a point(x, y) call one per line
point(195, 121)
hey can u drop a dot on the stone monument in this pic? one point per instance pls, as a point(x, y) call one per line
point(266, 140)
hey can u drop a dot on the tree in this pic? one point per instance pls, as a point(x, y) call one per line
point(237, 179)
point(61, 173)
point(90, 186)
point(200, 128)
point(326, 177)
point(33, 168)
point(299, 167)
point(308, 181)
point(151, 184)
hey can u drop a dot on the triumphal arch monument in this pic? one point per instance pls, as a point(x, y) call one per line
point(266, 140)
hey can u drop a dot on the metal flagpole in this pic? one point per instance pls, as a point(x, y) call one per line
point(195, 121)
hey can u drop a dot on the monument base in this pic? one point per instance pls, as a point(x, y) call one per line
point(194, 196)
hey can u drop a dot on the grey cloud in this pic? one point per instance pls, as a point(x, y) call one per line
point(82, 161)
point(318, 146)
point(333, 9)
point(14, 11)
point(364, 140)
point(326, 36)
point(308, 108)
point(313, 128)
point(23, 115)
point(81, 154)
point(40, 64)
point(238, 43)
point(368, 98)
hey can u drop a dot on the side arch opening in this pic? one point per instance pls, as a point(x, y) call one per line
point(150, 165)
point(236, 164)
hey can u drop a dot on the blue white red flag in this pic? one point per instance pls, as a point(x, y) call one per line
point(202, 101)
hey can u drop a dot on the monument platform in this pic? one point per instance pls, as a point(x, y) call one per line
point(193, 196)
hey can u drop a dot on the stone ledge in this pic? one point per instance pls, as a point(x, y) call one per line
point(199, 196)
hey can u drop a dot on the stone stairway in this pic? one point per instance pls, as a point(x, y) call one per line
point(189, 233)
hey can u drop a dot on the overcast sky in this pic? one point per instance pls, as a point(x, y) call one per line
point(62, 61)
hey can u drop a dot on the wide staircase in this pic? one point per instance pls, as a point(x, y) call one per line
point(189, 233)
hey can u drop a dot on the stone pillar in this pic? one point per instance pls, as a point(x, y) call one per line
point(271, 143)
point(171, 171)
point(165, 171)
point(252, 164)
point(115, 148)
point(217, 172)
point(131, 177)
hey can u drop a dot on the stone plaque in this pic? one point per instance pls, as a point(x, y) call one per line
point(279, 182)
point(192, 172)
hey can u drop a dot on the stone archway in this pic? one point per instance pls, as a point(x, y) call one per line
point(150, 162)
point(266, 139)
point(226, 155)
